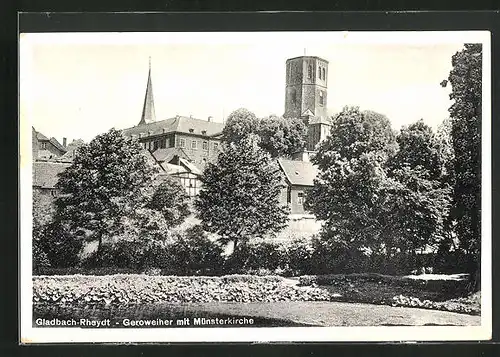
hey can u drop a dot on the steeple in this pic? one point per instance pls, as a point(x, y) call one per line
point(148, 110)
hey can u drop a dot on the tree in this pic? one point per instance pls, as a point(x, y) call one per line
point(104, 185)
point(347, 192)
point(282, 136)
point(375, 194)
point(418, 146)
point(171, 200)
point(239, 125)
point(239, 198)
point(465, 113)
point(278, 136)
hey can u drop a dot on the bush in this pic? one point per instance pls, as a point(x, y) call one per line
point(120, 254)
point(255, 257)
point(61, 247)
point(77, 290)
point(193, 253)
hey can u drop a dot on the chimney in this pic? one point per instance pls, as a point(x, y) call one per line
point(64, 142)
point(210, 119)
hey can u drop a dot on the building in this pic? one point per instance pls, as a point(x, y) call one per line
point(198, 140)
point(45, 148)
point(299, 177)
point(306, 97)
point(45, 176)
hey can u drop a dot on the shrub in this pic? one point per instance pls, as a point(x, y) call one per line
point(120, 254)
point(297, 256)
point(60, 246)
point(193, 253)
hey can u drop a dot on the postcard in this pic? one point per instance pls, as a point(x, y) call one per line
point(255, 186)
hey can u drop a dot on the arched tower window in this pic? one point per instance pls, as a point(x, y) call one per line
point(309, 71)
point(324, 73)
point(321, 98)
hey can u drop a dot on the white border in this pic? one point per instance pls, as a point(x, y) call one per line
point(30, 334)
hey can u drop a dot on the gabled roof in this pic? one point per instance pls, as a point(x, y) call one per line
point(167, 154)
point(39, 136)
point(58, 145)
point(178, 124)
point(301, 173)
point(45, 173)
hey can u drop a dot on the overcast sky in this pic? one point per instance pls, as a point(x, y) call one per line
point(80, 85)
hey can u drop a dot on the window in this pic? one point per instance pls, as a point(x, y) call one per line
point(319, 72)
point(163, 143)
point(194, 144)
point(294, 96)
point(324, 73)
point(156, 144)
point(300, 198)
point(321, 98)
point(53, 193)
point(309, 72)
point(182, 143)
point(205, 145)
point(171, 141)
point(43, 146)
point(150, 146)
point(216, 146)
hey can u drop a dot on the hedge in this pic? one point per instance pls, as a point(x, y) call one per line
point(122, 289)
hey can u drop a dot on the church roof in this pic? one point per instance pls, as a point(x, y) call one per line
point(180, 124)
point(45, 173)
point(148, 109)
point(300, 173)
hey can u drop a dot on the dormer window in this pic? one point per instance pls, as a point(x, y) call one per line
point(204, 132)
point(191, 130)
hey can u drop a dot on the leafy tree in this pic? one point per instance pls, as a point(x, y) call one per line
point(347, 192)
point(172, 200)
point(240, 194)
point(465, 113)
point(239, 125)
point(421, 197)
point(278, 136)
point(419, 147)
point(282, 136)
point(372, 195)
point(105, 186)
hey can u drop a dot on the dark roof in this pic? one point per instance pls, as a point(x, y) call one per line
point(45, 173)
point(177, 124)
point(168, 154)
point(70, 150)
point(57, 144)
point(40, 136)
point(312, 57)
point(300, 173)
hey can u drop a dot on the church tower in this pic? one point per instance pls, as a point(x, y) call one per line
point(148, 109)
point(306, 96)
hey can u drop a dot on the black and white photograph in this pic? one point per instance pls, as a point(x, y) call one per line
point(255, 186)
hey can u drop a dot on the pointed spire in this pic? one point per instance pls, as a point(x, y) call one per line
point(148, 110)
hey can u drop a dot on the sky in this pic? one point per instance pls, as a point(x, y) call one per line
point(80, 85)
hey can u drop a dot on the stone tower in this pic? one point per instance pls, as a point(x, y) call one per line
point(148, 109)
point(306, 96)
